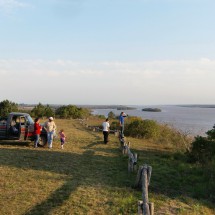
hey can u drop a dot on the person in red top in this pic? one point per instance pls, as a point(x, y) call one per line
point(37, 131)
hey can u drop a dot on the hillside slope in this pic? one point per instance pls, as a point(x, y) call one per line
point(88, 177)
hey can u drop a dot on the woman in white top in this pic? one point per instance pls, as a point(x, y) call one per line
point(106, 127)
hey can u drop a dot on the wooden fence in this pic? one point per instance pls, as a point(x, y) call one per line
point(143, 174)
point(142, 180)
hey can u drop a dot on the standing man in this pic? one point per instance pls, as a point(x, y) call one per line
point(106, 127)
point(121, 122)
point(50, 127)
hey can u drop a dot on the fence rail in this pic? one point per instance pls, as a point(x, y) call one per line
point(143, 174)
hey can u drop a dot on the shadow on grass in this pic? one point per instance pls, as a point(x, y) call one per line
point(56, 199)
point(174, 177)
point(85, 169)
point(15, 143)
point(171, 176)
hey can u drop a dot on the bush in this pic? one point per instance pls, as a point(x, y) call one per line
point(111, 115)
point(170, 136)
point(202, 150)
point(147, 129)
point(211, 133)
point(42, 111)
point(6, 107)
point(162, 134)
point(71, 111)
point(114, 125)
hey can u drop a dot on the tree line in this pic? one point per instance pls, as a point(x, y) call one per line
point(40, 110)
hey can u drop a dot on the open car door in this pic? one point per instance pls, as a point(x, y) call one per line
point(22, 128)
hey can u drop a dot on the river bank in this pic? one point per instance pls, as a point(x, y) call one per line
point(189, 119)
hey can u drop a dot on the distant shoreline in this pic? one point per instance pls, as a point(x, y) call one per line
point(197, 106)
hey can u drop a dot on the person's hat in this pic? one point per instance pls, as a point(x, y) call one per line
point(51, 118)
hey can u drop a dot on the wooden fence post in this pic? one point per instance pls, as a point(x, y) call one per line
point(116, 133)
point(143, 181)
point(145, 190)
point(151, 208)
point(140, 207)
point(135, 162)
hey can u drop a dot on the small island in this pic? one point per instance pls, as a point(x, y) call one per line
point(125, 108)
point(151, 109)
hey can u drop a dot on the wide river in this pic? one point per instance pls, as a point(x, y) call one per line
point(192, 120)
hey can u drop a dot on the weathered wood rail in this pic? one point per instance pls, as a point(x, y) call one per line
point(143, 181)
point(132, 157)
point(143, 174)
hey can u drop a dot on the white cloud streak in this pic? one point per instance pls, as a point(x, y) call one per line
point(163, 82)
point(9, 5)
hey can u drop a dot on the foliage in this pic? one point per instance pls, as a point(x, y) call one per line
point(142, 129)
point(114, 125)
point(6, 107)
point(42, 111)
point(159, 133)
point(111, 115)
point(101, 116)
point(71, 111)
point(202, 150)
point(181, 141)
point(211, 133)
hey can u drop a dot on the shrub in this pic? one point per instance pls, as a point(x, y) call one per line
point(147, 129)
point(170, 136)
point(42, 111)
point(211, 133)
point(202, 150)
point(114, 125)
point(101, 117)
point(111, 115)
point(6, 107)
point(71, 111)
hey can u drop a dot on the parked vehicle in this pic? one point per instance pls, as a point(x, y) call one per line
point(19, 126)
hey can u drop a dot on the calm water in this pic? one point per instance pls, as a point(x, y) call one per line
point(194, 120)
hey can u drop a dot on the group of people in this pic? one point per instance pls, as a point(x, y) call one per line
point(50, 128)
point(106, 127)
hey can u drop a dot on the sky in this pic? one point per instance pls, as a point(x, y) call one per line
point(125, 52)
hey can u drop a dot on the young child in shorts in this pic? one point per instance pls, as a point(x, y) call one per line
point(62, 137)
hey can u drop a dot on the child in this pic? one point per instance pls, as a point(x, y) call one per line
point(62, 138)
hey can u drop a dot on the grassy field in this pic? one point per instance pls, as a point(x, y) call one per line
point(88, 177)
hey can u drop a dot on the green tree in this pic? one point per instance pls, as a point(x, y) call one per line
point(38, 110)
point(72, 111)
point(203, 148)
point(143, 129)
point(211, 133)
point(42, 111)
point(49, 111)
point(111, 115)
point(7, 106)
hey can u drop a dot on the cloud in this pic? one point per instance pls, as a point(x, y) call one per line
point(163, 82)
point(9, 5)
point(138, 71)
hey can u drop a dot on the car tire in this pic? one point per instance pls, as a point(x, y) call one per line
point(42, 141)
